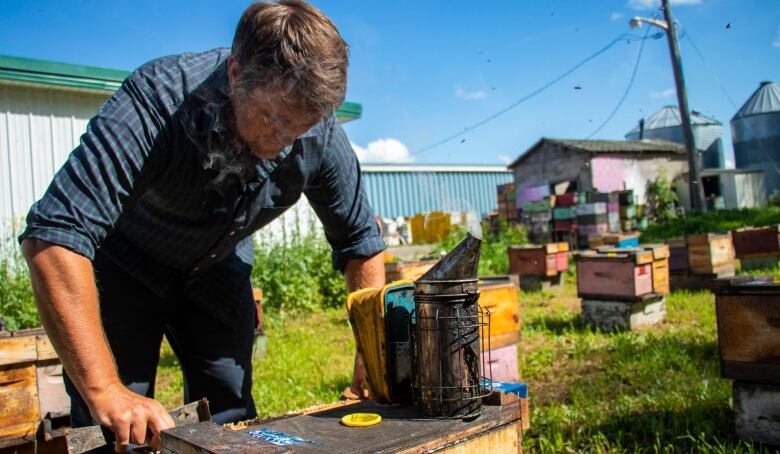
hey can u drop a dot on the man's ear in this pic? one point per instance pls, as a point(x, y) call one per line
point(232, 73)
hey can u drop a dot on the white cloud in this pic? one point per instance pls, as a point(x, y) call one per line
point(651, 4)
point(383, 150)
point(504, 159)
point(615, 16)
point(470, 95)
point(663, 94)
point(776, 42)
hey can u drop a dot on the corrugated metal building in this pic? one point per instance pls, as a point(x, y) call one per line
point(666, 124)
point(404, 190)
point(597, 165)
point(755, 131)
point(44, 109)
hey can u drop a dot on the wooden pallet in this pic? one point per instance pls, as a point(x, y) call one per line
point(498, 429)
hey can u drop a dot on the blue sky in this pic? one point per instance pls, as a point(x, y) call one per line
point(424, 70)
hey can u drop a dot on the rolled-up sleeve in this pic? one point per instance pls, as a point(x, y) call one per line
point(337, 196)
point(87, 195)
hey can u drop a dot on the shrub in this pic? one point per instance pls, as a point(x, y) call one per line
point(17, 306)
point(660, 198)
point(296, 273)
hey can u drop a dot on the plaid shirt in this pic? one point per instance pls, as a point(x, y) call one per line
point(160, 186)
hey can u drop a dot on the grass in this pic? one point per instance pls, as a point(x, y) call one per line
point(712, 221)
point(657, 390)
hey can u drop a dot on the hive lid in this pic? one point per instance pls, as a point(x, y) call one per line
point(746, 285)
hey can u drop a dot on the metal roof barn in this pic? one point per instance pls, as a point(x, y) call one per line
point(44, 109)
point(404, 190)
point(667, 125)
point(755, 131)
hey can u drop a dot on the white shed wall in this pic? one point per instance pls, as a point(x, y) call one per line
point(38, 129)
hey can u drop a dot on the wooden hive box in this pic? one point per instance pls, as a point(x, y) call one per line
point(31, 385)
point(622, 240)
point(411, 271)
point(678, 255)
point(623, 275)
point(500, 296)
point(756, 242)
point(533, 259)
point(498, 429)
point(748, 316)
point(660, 267)
point(711, 253)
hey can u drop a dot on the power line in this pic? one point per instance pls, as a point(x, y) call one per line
point(539, 90)
point(627, 90)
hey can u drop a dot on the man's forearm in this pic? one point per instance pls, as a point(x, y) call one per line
point(365, 272)
point(65, 292)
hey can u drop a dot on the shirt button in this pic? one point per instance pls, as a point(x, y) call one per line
point(196, 268)
point(232, 232)
point(213, 255)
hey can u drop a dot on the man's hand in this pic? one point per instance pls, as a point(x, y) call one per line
point(131, 417)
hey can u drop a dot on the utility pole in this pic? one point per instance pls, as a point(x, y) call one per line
point(694, 173)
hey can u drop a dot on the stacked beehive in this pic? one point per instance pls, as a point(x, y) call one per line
point(537, 217)
point(698, 259)
point(618, 290)
point(612, 202)
point(757, 248)
point(627, 210)
point(565, 216)
point(614, 240)
point(748, 310)
point(591, 221)
point(32, 394)
point(507, 209)
point(539, 266)
point(500, 296)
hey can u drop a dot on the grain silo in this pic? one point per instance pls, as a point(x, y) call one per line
point(755, 130)
point(667, 125)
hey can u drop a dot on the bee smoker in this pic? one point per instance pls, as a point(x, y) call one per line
point(448, 323)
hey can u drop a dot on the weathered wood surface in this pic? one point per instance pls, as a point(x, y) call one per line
point(661, 276)
point(401, 430)
point(756, 242)
point(17, 349)
point(749, 334)
point(18, 400)
point(613, 277)
point(660, 251)
point(611, 316)
point(535, 260)
point(710, 253)
point(757, 412)
point(502, 440)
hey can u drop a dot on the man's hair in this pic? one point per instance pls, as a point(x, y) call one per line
point(290, 44)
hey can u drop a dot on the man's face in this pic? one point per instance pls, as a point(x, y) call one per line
point(265, 120)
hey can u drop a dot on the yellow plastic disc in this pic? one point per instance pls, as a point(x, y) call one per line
point(361, 419)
